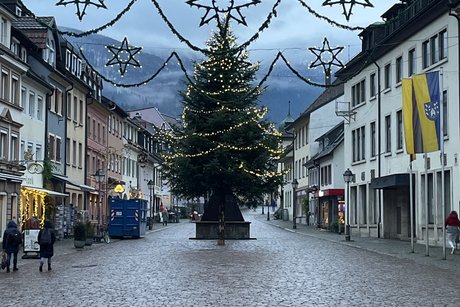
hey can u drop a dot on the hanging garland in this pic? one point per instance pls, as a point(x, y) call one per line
point(330, 21)
point(348, 11)
point(264, 26)
point(96, 30)
point(117, 60)
point(217, 11)
point(124, 56)
point(81, 12)
point(328, 63)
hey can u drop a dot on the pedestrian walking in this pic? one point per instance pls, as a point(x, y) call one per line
point(46, 239)
point(165, 216)
point(453, 226)
point(12, 239)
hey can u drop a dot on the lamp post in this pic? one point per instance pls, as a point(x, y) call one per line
point(268, 206)
point(348, 177)
point(295, 184)
point(99, 176)
point(151, 184)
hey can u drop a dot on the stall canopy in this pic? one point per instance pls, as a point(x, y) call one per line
point(83, 187)
point(390, 181)
point(49, 192)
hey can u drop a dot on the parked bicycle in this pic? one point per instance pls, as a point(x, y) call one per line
point(102, 235)
point(105, 235)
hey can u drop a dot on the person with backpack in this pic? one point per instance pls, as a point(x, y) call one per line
point(46, 239)
point(12, 239)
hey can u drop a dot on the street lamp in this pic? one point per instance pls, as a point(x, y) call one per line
point(295, 184)
point(99, 176)
point(151, 185)
point(348, 177)
point(268, 206)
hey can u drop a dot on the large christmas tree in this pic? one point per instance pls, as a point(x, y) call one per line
point(226, 151)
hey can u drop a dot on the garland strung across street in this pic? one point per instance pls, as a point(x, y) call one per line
point(123, 56)
point(217, 12)
point(326, 57)
point(348, 11)
point(85, 3)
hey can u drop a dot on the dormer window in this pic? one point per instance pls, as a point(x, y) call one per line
point(24, 54)
point(50, 52)
point(15, 46)
point(68, 60)
point(4, 31)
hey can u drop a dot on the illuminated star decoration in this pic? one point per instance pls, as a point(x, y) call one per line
point(85, 3)
point(329, 53)
point(123, 56)
point(347, 12)
point(213, 10)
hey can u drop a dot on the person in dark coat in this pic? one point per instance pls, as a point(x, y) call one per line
point(11, 248)
point(46, 249)
point(453, 225)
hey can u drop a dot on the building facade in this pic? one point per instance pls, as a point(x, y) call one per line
point(417, 37)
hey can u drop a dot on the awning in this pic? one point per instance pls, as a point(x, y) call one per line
point(49, 192)
point(83, 187)
point(11, 177)
point(331, 192)
point(390, 181)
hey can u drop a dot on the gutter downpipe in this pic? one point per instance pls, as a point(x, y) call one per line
point(379, 145)
point(456, 16)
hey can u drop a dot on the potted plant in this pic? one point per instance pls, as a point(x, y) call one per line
point(89, 229)
point(79, 235)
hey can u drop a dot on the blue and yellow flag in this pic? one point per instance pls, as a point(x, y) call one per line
point(422, 113)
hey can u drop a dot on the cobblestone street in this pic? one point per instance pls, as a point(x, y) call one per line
point(279, 268)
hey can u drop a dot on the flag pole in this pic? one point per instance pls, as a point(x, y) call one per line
point(443, 196)
point(411, 206)
point(427, 235)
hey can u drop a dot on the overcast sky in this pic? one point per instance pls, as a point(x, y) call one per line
point(293, 30)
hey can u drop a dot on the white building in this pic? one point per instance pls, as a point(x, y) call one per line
point(317, 119)
point(416, 37)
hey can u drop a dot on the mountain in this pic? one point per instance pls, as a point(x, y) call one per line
point(163, 91)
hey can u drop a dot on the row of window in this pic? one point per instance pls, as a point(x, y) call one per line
point(77, 153)
point(73, 63)
point(31, 151)
point(301, 137)
point(94, 162)
point(54, 144)
point(9, 145)
point(358, 135)
point(433, 51)
point(32, 104)
point(75, 108)
point(9, 85)
point(96, 130)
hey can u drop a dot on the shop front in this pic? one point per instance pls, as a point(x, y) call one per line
point(330, 210)
point(10, 185)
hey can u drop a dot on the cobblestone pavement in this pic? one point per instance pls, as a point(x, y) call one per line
point(279, 268)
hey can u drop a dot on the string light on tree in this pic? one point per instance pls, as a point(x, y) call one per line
point(348, 11)
point(85, 3)
point(123, 56)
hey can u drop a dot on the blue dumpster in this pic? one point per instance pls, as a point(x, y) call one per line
point(128, 218)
